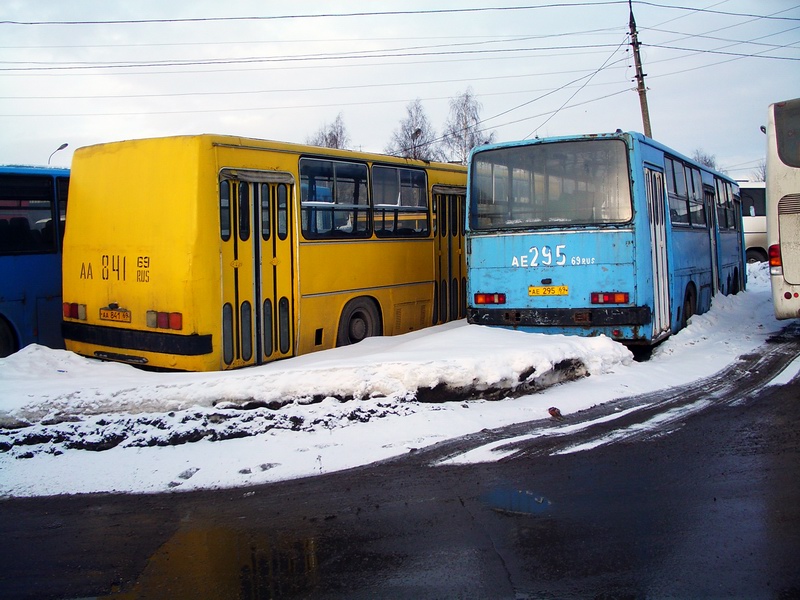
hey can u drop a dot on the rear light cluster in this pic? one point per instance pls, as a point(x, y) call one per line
point(164, 320)
point(73, 310)
point(490, 298)
point(155, 319)
point(775, 261)
point(610, 298)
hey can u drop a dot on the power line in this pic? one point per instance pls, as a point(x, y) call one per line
point(738, 54)
point(347, 40)
point(296, 90)
point(716, 12)
point(299, 58)
point(320, 16)
point(585, 83)
point(751, 42)
point(390, 13)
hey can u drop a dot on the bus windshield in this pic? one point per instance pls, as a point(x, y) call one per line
point(558, 184)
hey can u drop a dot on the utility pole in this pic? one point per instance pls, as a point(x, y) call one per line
point(640, 87)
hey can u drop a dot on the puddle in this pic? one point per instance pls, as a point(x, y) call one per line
point(218, 563)
point(514, 501)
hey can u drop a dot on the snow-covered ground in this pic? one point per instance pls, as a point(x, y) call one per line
point(74, 425)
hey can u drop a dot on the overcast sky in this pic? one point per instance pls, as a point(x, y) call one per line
point(281, 70)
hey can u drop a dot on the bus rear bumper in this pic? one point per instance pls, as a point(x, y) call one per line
point(136, 340)
point(580, 318)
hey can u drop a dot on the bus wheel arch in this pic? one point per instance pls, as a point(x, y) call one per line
point(8, 339)
point(689, 305)
point(360, 319)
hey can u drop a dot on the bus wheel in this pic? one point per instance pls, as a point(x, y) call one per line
point(360, 319)
point(689, 306)
point(755, 256)
point(8, 343)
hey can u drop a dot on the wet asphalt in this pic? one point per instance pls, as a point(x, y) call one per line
point(705, 506)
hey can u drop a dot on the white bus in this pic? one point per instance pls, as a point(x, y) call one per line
point(754, 219)
point(783, 206)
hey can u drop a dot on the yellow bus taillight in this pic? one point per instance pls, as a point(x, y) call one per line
point(164, 320)
point(73, 310)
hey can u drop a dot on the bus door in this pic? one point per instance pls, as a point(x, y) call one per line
point(656, 206)
point(450, 298)
point(709, 200)
point(257, 267)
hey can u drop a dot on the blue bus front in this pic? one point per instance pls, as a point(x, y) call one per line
point(552, 245)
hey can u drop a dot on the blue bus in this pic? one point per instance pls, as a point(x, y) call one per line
point(33, 202)
point(609, 234)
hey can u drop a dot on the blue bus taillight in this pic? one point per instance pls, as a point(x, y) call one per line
point(490, 298)
point(610, 297)
point(164, 320)
point(73, 310)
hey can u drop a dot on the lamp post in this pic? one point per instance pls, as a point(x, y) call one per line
point(61, 147)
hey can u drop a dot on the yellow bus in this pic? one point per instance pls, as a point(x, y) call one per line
point(212, 252)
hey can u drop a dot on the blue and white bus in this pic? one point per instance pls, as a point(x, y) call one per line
point(33, 202)
point(611, 234)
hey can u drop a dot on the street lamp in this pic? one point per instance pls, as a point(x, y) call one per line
point(61, 147)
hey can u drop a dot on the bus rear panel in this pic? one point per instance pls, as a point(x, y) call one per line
point(607, 234)
point(553, 283)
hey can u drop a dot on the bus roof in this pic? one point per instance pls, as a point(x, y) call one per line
point(260, 144)
point(34, 170)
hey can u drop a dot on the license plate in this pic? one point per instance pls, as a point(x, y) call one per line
point(548, 290)
point(120, 316)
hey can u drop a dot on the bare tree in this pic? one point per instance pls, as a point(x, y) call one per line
point(331, 136)
point(760, 172)
point(415, 138)
point(462, 132)
point(704, 158)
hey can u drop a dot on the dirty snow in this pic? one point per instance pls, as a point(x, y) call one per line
point(70, 425)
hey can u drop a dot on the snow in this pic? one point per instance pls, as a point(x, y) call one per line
point(72, 425)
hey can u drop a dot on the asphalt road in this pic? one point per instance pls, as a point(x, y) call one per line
point(706, 505)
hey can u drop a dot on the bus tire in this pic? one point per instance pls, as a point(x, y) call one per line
point(689, 306)
point(8, 341)
point(755, 255)
point(360, 319)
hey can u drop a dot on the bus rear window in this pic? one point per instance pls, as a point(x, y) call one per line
point(556, 184)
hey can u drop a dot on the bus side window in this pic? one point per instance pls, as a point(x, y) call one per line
point(724, 205)
point(676, 186)
point(697, 213)
point(400, 200)
point(333, 199)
